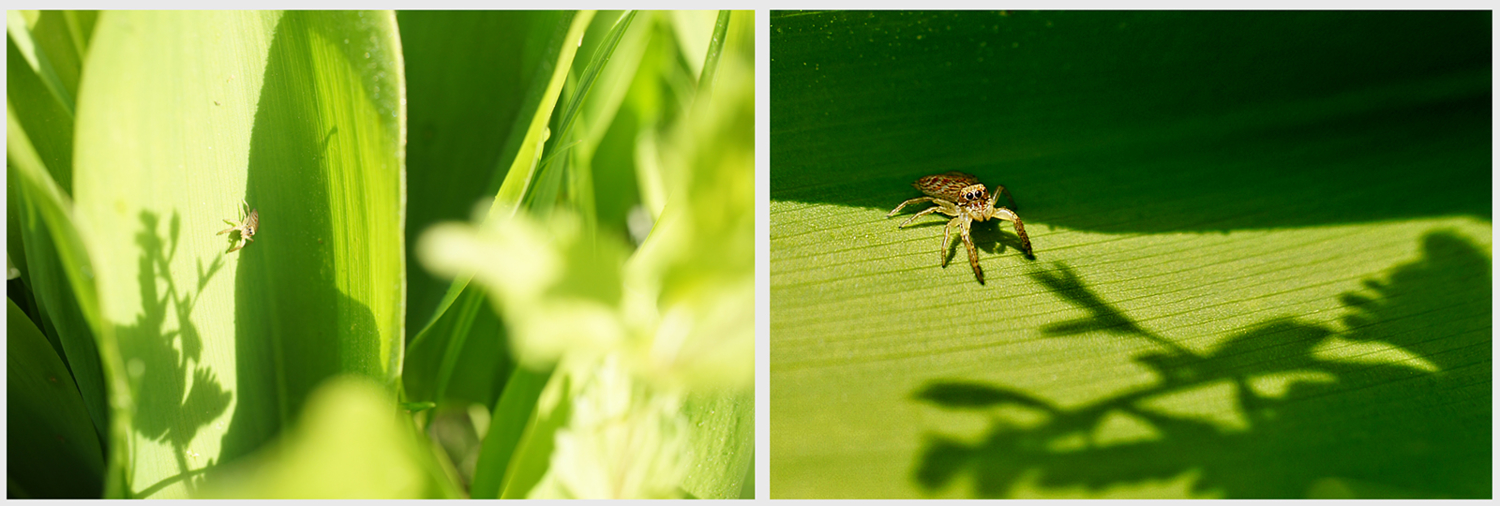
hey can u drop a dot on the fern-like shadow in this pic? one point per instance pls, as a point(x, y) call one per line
point(1313, 426)
point(178, 394)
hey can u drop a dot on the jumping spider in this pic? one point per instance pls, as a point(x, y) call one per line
point(246, 227)
point(962, 196)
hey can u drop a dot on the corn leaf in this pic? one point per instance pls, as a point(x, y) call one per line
point(1263, 249)
point(53, 450)
point(64, 280)
point(182, 115)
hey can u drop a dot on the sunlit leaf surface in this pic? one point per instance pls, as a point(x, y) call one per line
point(184, 115)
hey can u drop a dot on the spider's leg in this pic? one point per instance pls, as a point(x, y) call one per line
point(963, 233)
point(904, 204)
point(236, 247)
point(1011, 216)
point(924, 212)
point(999, 189)
point(947, 239)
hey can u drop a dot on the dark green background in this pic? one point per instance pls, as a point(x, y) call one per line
point(1098, 120)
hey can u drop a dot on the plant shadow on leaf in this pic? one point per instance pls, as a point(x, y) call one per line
point(167, 410)
point(1094, 121)
point(1413, 428)
point(293, 325)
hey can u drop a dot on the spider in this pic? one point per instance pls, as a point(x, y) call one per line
point(246, 227)
point(962, 196)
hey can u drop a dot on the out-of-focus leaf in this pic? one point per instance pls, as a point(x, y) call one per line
point(541, 196)
point(349, 443)
point(523, 169)
point(722, 444)
point(532, 456)
point(184, 114)
point(715, 48)
point(47, 119)
point(53, 451)
point(512, 414)
point(438, 355)
point(1226, 209)
point(693, 32)
point(62, 276)
point(475, 80)
point(37, 53)
point(61, 36)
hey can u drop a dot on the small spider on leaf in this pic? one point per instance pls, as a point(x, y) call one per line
point(246, 227)
point(962, 196)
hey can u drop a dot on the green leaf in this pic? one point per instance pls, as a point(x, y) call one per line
point(715, 48)
point(462, 324)
point(722, 441)
point(531, 457)
point(53, 450)
point(476, 80)
point(523, 168)
point(62, 275)
point(1263, 255)
point(348, 444)
point(512, 414)
point(181, 116)
point(46, 116)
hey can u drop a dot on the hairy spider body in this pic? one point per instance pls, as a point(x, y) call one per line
point(964, 198)
point(246, 227)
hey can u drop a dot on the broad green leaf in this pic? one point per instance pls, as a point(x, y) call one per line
point(348, 444)
point(1263, 255)
point(53, 451)
point(182, 115)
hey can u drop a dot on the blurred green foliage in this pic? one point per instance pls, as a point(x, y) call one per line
point(322, 360)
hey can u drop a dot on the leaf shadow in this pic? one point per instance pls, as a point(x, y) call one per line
point(177, 394)
point(1310, 424)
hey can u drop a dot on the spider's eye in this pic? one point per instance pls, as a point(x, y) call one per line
point(972, 196)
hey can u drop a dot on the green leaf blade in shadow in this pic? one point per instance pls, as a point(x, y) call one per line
point(53, 449)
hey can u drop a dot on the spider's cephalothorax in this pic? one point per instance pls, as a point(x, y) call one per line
point(962, 196)
point(247, 226)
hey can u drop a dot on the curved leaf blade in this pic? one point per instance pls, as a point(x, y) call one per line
point(184, 114)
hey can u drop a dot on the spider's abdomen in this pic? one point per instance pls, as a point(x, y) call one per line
point(950, 187)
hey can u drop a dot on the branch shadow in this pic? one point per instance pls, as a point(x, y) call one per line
point(1314, 424)
point(177, 395)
